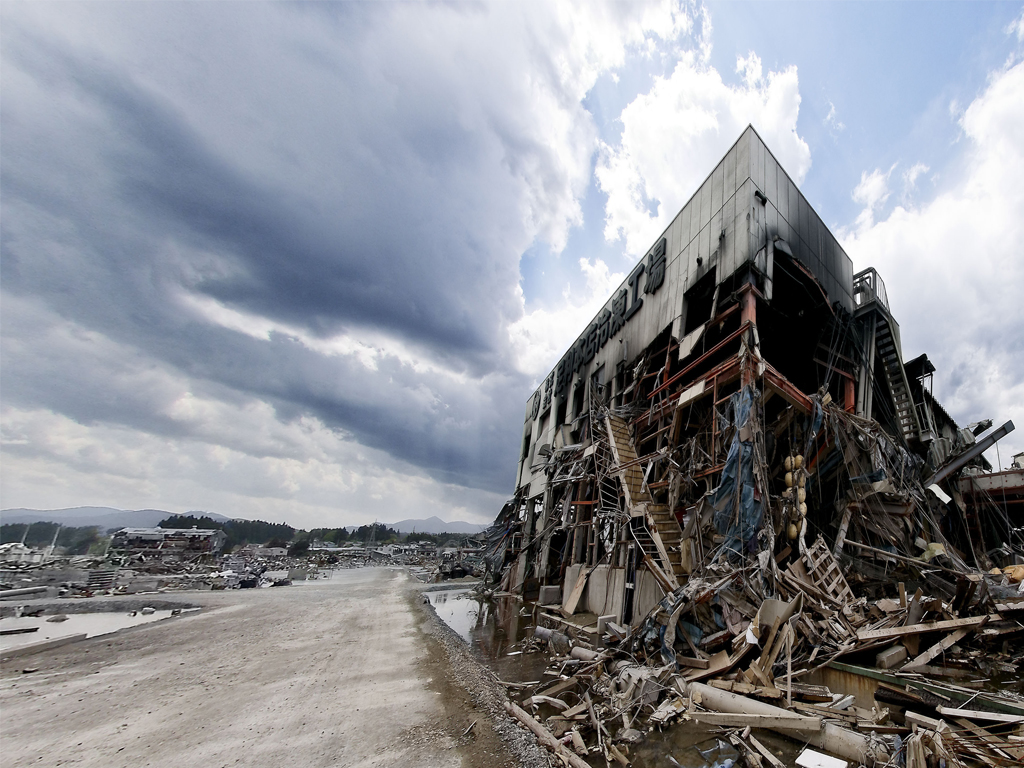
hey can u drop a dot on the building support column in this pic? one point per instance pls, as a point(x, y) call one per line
point(866, 374)
point(748, 314)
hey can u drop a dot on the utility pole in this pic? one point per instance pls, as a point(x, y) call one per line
point(53, 543)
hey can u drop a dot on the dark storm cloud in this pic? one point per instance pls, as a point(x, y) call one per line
point(458, 434)
point(381, 248)
point(115, 204)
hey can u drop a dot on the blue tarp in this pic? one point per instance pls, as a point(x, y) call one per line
point(738, 513)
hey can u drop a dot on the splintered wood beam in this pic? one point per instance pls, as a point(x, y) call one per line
point(765, 752)
point(782, 722)
point(951, 639)
point(544, 736)
point(930, 626)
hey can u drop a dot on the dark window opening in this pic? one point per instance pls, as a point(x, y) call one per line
point(577, 399)
point(698, 300)
point(597, 388)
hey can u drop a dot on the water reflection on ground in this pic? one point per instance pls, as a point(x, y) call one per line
point(89, 624)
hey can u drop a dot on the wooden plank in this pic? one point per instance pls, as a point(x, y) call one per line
point(759, 673)
point(562, 685)
point(569, 606)
point(965, 745)
point(951, 639)
point(765, 752)
point(810, 709)
point(843, 527)
point(930, 626)
point(975, 714)
point(767, 647)
point(1010, 607)
point(685, 661)
point(544, 736)
point(753, 759)
point(921, 721)
point(993, 702)
point(538, 699)
point(736, 720)
point(995, 743)
point(579, 709)
point(785, 633)
point(812, 692)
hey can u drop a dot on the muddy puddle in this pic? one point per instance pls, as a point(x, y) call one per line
point(26, 630)
point(495, 630)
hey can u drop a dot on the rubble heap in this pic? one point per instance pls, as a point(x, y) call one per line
point(758, 610)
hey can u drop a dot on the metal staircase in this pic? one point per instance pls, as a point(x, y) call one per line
point(653, 526)
point(605, 475)
point(873, 305)
point(101, 581)
point(896, 377)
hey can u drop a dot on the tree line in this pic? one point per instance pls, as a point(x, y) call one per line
point(79, 541)
point(39, 535)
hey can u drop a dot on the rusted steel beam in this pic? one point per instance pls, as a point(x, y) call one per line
point(703, 358)
point(724, 372)
point(786, 388)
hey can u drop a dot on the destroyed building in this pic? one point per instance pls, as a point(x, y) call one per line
point(733, 476)
point(168, 542)
point(742, 342)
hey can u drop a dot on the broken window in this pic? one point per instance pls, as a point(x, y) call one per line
point(697, 301)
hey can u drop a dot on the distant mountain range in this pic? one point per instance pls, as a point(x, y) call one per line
point(104, 517)
point(108, 517)
point(435, 525)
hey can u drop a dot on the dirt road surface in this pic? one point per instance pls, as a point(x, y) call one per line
point(341, 672)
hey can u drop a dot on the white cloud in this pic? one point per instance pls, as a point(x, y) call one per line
point(953, 266)
point(872, 192)
point(51, 461)
point(911, 175)
point(670, 131)
point(540, 336)
point(1017, 27)
point(749, 68)
point(832, 120)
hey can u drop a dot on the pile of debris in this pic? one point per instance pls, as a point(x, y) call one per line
point(611, 685)
point(896, 645)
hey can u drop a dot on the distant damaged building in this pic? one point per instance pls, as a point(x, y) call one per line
point(742, 400)
point(168, 542)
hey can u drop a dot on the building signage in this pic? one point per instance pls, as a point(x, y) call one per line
point(609, 322)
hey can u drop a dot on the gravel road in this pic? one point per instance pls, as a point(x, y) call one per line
point(343, 672)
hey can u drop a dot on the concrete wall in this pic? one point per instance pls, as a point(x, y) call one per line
point(604, 591)
point(605, 587)
point(648, 594)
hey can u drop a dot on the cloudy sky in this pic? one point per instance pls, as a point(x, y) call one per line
point(306, 262)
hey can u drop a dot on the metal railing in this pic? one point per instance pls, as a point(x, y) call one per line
point(867, 287)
